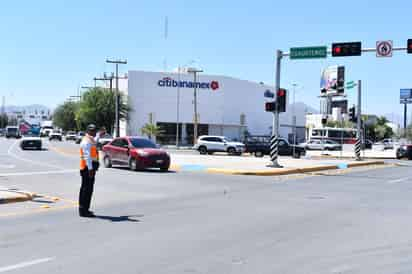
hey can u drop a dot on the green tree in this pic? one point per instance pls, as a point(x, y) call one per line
point(98, 106)
point(151, 130)
point(65, 116)
point(378, 130)
point(4, 120)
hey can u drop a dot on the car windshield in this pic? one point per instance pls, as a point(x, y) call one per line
point(12, 129)
point(142, 143)
point(71, 133)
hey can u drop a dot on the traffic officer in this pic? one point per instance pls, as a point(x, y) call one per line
point(89, 164)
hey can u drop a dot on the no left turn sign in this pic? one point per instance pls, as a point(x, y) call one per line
point(384, 48)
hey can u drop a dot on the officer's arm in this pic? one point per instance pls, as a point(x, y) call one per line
point(87, 155)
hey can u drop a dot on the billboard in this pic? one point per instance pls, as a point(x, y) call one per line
point(332, 80)
point(406, 96)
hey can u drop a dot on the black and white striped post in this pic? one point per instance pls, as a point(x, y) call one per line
point(274, 148)
point(358, 149)
point(358, 124)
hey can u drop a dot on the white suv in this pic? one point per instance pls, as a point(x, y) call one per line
point(211, 144)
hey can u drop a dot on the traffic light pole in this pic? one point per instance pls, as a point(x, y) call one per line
point(274, 141)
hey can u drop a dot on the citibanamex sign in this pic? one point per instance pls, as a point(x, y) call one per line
point(170, 82)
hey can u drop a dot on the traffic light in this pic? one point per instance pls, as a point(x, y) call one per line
point(352, 114)
point(346, 49)
point(270, 106)
point(281, 100)
point(410, 46)
point(340, 85)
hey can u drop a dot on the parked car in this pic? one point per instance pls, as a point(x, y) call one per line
point(104, 140)
point(79, 137)
point(260, 146)
point(31, 141)
point(135, 152)
point(71, 136)
point(404, 151)
point(46, 131)
point(322, 144)
point(56, 135)
point(388, 144)
point(13, 132)
point(209, 144)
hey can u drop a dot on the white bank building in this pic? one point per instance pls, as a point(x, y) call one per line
point(225, 105)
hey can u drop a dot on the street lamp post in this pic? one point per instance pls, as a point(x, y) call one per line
point(195, 122)
point(117, 123)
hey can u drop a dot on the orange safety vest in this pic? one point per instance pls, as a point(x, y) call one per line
point(93, 154)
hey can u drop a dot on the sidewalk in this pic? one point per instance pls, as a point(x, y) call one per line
point(369, 154)
point(243, 165)
point(8, 196)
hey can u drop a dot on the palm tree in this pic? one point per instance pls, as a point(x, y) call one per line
point(151, 130)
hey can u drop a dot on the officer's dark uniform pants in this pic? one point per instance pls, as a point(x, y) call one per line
point(86, 190)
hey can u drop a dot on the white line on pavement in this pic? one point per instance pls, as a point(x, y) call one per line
point(10, 153)
point(7, 166)
point(39, 172)
point(400, 180)
point(25, 264)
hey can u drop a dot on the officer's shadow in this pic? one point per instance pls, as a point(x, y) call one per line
point(116, 219)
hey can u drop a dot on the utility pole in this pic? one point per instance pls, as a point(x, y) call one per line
point(117, 120)
point(195, 122)
point(405, 117)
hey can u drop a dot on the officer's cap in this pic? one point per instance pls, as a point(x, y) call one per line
point(91, 127)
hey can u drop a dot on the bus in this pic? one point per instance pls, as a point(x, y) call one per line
point(339, 135)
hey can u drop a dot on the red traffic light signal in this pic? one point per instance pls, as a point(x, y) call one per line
point(409, 48)
point(281, 100)
point(346, 49)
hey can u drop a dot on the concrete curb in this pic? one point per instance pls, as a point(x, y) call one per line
point(285, 171)
point(20, 196)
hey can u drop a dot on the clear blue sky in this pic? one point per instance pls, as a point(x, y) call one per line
point(49, 48)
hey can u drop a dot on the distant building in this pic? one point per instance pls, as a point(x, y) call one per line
point(226, 106)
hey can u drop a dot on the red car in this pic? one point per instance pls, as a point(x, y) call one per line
point(135, 152)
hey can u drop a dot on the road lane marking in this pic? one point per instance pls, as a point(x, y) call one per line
point(25, 264)
point(39, 173)
point(10, 153)
point(7, 166)
point(400, 180)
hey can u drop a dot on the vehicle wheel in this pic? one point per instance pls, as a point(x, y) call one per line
point(231, 151)
point(164, 169)
point(203, 150)
point(259, 154)
point(107, 162)
point(134, 165)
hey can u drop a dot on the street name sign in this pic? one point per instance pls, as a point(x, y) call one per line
point(308, 52)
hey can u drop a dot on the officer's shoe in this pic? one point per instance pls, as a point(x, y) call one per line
point(87, 214)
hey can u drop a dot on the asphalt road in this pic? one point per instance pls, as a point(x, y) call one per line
point(152, 222)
